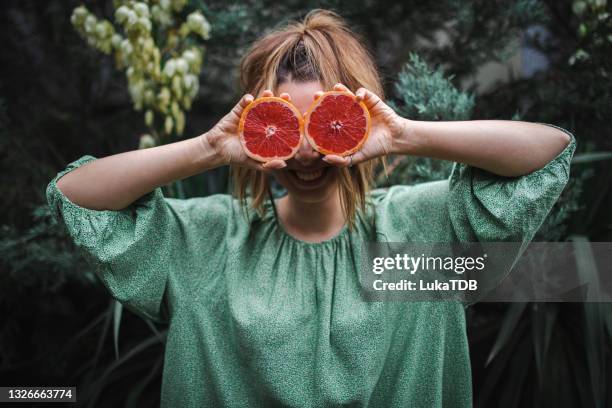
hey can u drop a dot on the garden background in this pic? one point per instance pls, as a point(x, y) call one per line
point(64, 93)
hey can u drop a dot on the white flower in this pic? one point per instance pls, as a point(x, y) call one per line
point(193, 89)
point(146, 141)
point(141, 9)
point(79, 15)
point(132, 18)
point(198, 24)
point(149, 97)
point(177, 86)
point(116, 40)
point(149, 117)
point(188, 81)
point(189, 56)
point(121, 14)
point(181, 66)
point(90, 23)
point(164, 98)
point(80, 12)
point(168, 125)
point(195, 20)
point(170, 68)
point(126, 47)
point(175, 109)
point(101, 29)
point(145, 23)
point(205, 29)
point(180, 122)
point(136, 90)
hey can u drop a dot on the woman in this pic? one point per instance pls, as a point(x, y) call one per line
point(264, 307)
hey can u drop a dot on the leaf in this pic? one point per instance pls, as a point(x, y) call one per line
point(105, 327)
point(594, 321)
point(594, 339)
point(576, 362)
point(586, 266)
point(513, 316)
point(137, 349)
point(544, 316)
point(591, 157)
point(117, 312)
point(608, 317)
point(132, 398)
point(519, 366)
point(501, 365)
point(154, 330)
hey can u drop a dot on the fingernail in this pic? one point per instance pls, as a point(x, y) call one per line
point(325, 159)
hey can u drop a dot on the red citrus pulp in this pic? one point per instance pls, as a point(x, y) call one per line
point(270, 128)
point(336, 123)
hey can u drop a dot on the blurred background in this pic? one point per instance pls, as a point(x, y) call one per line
point(105, 79)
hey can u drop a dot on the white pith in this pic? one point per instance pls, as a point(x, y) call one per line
point(270, 130)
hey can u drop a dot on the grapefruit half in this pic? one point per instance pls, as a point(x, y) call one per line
point(270, 128)
point(337, 124)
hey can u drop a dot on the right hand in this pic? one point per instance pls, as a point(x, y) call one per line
point(223, 138)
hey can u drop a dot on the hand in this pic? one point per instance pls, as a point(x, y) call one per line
point(223, 138)
point(385, 126)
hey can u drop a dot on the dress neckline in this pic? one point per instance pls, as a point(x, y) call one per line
point(281, 228)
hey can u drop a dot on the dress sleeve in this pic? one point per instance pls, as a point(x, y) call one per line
point(132, 249)
point(484, 207)
point(476, 206)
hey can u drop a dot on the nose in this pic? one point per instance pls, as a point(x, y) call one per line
point(306, 154)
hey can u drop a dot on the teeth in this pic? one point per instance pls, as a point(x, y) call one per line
point(309, 176)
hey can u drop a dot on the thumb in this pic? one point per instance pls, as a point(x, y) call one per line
point(369, 98)
point(241, 105)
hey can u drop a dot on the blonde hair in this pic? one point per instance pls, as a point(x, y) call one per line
point(319, 48)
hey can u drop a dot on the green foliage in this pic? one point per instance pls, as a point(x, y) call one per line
point(427, 94)
point(45, 246)
point(594, 32)
point(424, 94)
point(161, 52)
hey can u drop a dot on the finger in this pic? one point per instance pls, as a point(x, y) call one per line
point(267, 93)
point(246, 100)
point(358, 157)
point(369, 98)
point(318, 94)
point(275, 164)
point(255, 165)
point(340, 87)
point(336, 160)
point(242, 103)
point(285, 96)
point(360, 94)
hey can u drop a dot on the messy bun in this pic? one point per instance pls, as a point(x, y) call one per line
point(321, 47)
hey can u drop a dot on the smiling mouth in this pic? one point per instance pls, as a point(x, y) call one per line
point(309, 178)
point(308, 175)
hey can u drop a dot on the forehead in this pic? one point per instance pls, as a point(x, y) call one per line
point(301, 93)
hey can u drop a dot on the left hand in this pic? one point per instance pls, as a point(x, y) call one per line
point(385, 127)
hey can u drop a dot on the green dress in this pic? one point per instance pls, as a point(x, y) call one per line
point(257, 318)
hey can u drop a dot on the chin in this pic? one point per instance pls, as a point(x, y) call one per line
point(311, 186)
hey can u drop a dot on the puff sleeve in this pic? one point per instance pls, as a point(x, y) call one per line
point(132, 249)
point(485, 207)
